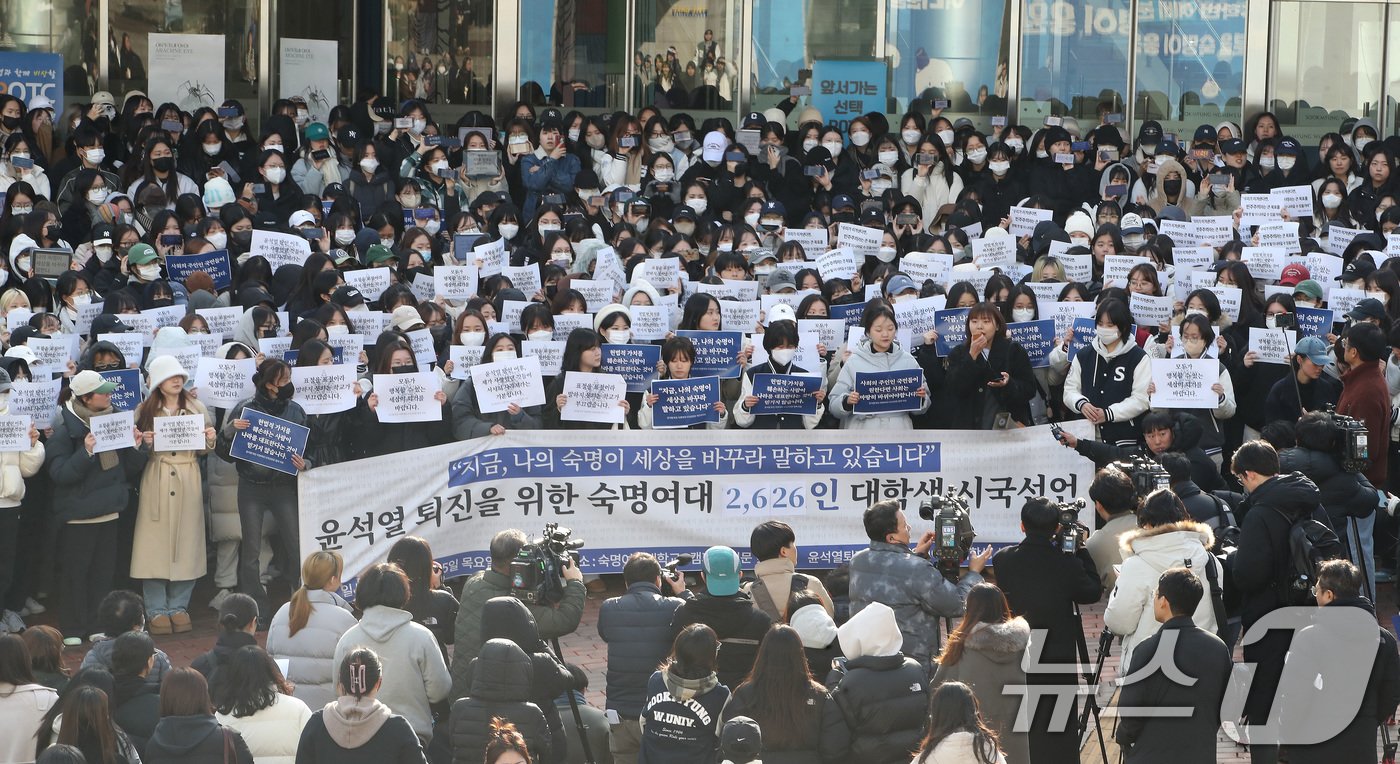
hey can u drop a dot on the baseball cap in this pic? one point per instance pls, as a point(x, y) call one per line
point(300, 218)
point(841, 202)
point(1150, 132)
point(405, 317)
point(779, 280)
point(754, 120)
point(103, 98)
point(1369, 308)
point(379, 254)
point(898, 284)
point(715, 144)
point(1204, 134)
point(1130, 223)
point(1232, 146)
point(872, 215)
point(741, 740)
point(1293, 275)
point(773, 208)
point(101, 233)
point(781, 311)
point(317, 131)
point(40, 102)
point(1315, 348)
point(348, 135)
point(4, 381)
point(1308, 287)
point(1356, 269)
point(140, 254)
point(721, 566)
point(1287, 147)
point(348, 297)
point(759, 254)
point(88, 381)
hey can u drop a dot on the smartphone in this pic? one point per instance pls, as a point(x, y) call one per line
point(228, 112)
point(1080, 146)
point(519, 148)
point(814, 171)
point(423, 213)
point(172, 126)
point(1113, 119)
point(628, 141)
point(680, 137)
point(170, 239)
point(905, 218)
point(554, 199)
point(925, 159)
point(381, 128)
point(432, 140)
point(998, 121)
point(259, 188)
point(597, 201)
point(321, 155)
point(570, 217)
point(1117, 189)
point(1064, 159)
point(403, 123)
point(871, 174)
point(22, 162)
point(1053, 121)
point(312, 234)
point(624, 195)
point(799, 90)
point(872, 204)
point(1109, 154)
point(940, 103)
point(735, 156)
point(448, 142)
point(1058, 432)
point(446, 172)
point(1219, 179)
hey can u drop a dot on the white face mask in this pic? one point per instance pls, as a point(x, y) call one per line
point(946, 136)
point(439, 166)
point(1194, 347)
point(1286, 163)
point(860, 138)
point(369, 164)
point(619, 336)
point(999, 168)
point(977, 156)
point(910, 136)
point(275, 174)
point(337, 330)
point(148, 272)
point(1384, 297)
point(508, 230)
point(1304, 303)
point(1361, 143)
point(79, 300)
point(697, 205)
point(212, 149)
point(832, 147)
point(219, 239)
point(419, 125)
point(879, 187)
point(664, 174)
point(783, 356)
point(1133, 241)
point(1042, 154)
point(1016, 144)
point(596, 141)
point(1107, 335)
point(899, 298)
point(548, 228)
point(751, 218)
point(573, 134)
point(888, 157)
point(273, 147)
point(810, 144)
point(1021, 315)
point(432, 227)
point(387, 243)
point(472, 339)
point(95, 156)
point(96, 195)
point(1331, 201)
point(104, 252)
point(344, 236)
point(725, 246)
point(661, 144)
point(1266, 162)
point(543, 335)
point(885, 254)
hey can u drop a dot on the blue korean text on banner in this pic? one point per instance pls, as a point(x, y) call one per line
point(844, 90)
point(685, 402)
point(1315, 322)
point(127, 396)
point(28, 75)
point(888, 392)
point(849, 313)
point(326, 205)
point(269, 441)
point(215, 263)
point(951, 326)
point(1037, 338)
point(290, 355)
point(716, 353)
point(1084, 329)
point(636, 364)
point(785, 393)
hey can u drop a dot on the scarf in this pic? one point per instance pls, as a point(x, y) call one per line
point(108, 459)
point(685, 689)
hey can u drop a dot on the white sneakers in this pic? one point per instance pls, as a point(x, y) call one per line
point(218, 600)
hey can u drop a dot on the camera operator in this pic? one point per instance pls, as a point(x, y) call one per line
point(906, 580)
point(1162, 431)
point(551, 621)
point(1348, 497)
point(1043, 584)
point(1116, 502)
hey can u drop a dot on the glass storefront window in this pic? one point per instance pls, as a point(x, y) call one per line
point(332, 24)
point(1074, 56)
point(1190, 64)
point(62, 29)
point(1326, 64)
point(806, 43)
point(573, 53)
point(439, 52)
point(233, 27)
point(686, 57)
point(950, 50)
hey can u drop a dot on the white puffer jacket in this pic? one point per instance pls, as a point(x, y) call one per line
point(311, 651)
point(273, 733)
point(15, 466)
point(1147, 554)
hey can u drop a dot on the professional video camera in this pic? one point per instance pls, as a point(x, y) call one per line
point(535, 572)
point(1071, 534)
point(1147, 475)
point(1352, 447)
point(952, 527)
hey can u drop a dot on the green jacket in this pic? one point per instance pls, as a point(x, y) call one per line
point(552, 622)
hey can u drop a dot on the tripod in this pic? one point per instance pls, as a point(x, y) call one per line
point(1091, 702)
point(573, 705)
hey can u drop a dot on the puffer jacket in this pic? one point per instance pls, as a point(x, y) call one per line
point(310, 652)
point(272, 734)
point(15, 466)
point(637, 628)
point(1261, 560)
point(879, 698)
point(502, 677)
point(891, 575)
point(738, 623)
point(508, 618)
point(82, 490)
point(224, 523)
point(741, 703)
point(1157, 198)
point(865, 360)
point(991, 661)
point(1147, 554)
point(1343, 494)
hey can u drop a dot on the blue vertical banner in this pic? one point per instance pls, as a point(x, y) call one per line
point(27, 75)
point(843, 90)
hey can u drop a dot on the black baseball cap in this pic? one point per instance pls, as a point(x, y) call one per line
point(348, 297)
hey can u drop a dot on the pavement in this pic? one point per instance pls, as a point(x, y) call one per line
point(585, 649)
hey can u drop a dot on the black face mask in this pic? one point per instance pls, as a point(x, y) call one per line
point(163, 164)
point(269, 333)
point(106, 367)
point(843, 217)
point(1172, 187)
point(285, 392)
point(550, 290)
point(241, 238)
point(11, 123)
point(162, 302)
point(409, 369)
point(441, 335)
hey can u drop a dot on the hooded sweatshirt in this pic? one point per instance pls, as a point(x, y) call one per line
point(415, 674)
point(880, 700)
point(680, 723)
point(194, 740)
point(359, 731)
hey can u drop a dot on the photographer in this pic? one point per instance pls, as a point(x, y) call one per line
point(1044, 585)
point(552, 621)
point(906, 580)
point(1162, 431)
point(1116, 502)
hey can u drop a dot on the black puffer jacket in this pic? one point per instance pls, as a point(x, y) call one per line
point(501, 680)
point(195, 740)
point(1261, 561)
point(637, 628)
point(739, 625)
point(507, 618)
point(809, 735)
point(879, 698)
point(1343, 494)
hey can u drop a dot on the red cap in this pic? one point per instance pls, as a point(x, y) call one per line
point(1293, 274)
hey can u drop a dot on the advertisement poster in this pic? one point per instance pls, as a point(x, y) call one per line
point(309, 70)
point(187, 70)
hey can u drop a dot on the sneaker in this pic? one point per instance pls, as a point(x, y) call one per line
point(32, 608)
point(96, 637)
point(218, 600)
point(72, 641)
point(12, 621)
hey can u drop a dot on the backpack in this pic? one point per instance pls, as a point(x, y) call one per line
point(1310, 543)
point(1217, 594)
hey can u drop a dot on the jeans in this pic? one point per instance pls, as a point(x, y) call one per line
point(253, 500)
point(90, 564)
point(166, 597)
point(1365, 557)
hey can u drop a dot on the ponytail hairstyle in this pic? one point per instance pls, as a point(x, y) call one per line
point(317, 571)
point(360, 673)
point(505, 738)
point(236, 612)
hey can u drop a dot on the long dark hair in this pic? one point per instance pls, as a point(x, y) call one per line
point(92, 676)
point(781, 689)
point(694, 652)
point(87, 724)
point(580, 339)
point(415, 557)
point(953, 708)
point(985, 604)
point(14, 662)
point(247, 684)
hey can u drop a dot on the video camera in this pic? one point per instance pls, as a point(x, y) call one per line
point(952, 528)
point(1071, 535)
point(1352, 446)
point(1147, 475)
point(535, 573)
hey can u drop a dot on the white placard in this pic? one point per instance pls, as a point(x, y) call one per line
point(280, 248)
point(526, 278)
point(566, 323)
point(660, 272)
point(1230, 300)
point(927, 266)
point(422, 342)
point(370, 281)
point(1344, 299)
point(1338, 238)
point(1117, 267)
point(739, 316)
point(598, 293)
point(1213, 231)
point(223, 320)
point(324, 389)
point(500, 383)
point(1025, 219)
point(917, 316)
point(861, 241)
point(732, 290)
point(594, 397)
point(1182, 233)
point(998, 252)
point(113, 431)
point(180, 433)
point(830, 332)
point(492, 257)
point(274, 347)
point(1184, 383)
point(455, 282)
point(839, 263)
point(1297, 201)
point(1272, 345)
point(14, 433)
point(408, 397)
point(1280, 234)
point(37, 400)
point(650, 323)
point(463, 357)
point(1078, 268)
point(1149, 310)
point(1265, 263)
point(187, 69)
point(223, 383)
point(813, 240)
point(1064, 313)
point(608, 268)
point(549, 352)
point(86, 313)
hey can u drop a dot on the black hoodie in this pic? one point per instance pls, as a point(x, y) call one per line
point(1261, 562)
point(136, 708)
point(195, 740)
point(227, 644)
point(508, 618)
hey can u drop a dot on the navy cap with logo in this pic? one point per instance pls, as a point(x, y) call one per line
point(754, 120)
point(683, 212)
point(1356, 269)
point(1150, 132)
point(773, 208)
point(872, 215)
point(1288, 147)
point(1369, 309)
point(348, 135)
point(1232, 146)
point(842, 202)
point(1204, 134)
point(348, 297)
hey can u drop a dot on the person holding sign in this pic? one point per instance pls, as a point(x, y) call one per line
point(90, 490)
point(167, 552)
point(263, 489)
point(1196, 335)
point(989, 383)
point(1108, 378)
point(394, 355)
point(332, 435)
point(780, 342)
point(877, 351)
point(582, 353)
point(678, 354)
point(469, 422)
point(15, 468)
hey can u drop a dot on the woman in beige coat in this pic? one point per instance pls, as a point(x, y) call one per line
point(168, 550)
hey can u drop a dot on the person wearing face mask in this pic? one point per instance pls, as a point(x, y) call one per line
point(1172, 187)
point(583, 353)
point(861, 137)
point(393, 355)
point(1108, 378)
point(1197, 336)
point(319, 164)
point(781, 173)
point(1289, 167)
point(877, 351)
point(780, 340)
point(72, 294)
point(989, 375)
point(90, 155)
point(261, 489)
point(1149, 137)
point(468, 421)
point(158, 168)
point(1000, 188)
point(87, 211)
point(142, 267)
point(931, 179)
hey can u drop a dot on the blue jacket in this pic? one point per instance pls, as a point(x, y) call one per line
point(543, 174)
point(637, 628)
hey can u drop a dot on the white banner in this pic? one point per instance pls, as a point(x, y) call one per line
point(621, 491)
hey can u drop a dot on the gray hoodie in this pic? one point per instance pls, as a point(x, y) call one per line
point(415, 674)
point(351, 722)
